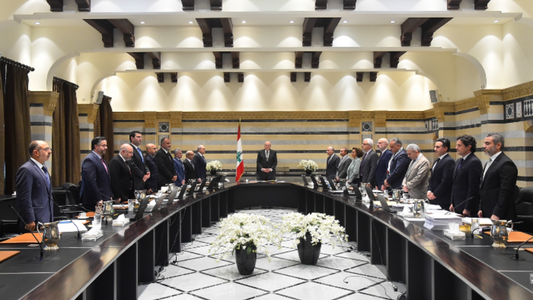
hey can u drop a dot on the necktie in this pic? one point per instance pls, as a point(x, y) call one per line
point(204, 159)
point(141, 154)
point(363, 161)
point(169, 156)
point(435, 163)
point(267, 154)
point(45, 170)
point(460, 163)
point(103, 163)
point(487, 166)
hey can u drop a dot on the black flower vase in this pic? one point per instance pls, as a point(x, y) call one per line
point(213, 172)
point(308, 172)
point(308, 252)
point(246, 261)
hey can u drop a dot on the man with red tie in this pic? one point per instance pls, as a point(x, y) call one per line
point(95, 182)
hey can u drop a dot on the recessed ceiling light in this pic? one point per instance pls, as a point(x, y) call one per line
point(344, 21)
point(190, 22)
point(142, 22)
point(291, 21)
point(243, 22)
point(37, 23)
point(496, 21)
point(392, 22)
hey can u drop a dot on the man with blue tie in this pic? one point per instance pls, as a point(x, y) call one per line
point(95, 182)
point(466, 178)
point(34, 188)
point(180, 169)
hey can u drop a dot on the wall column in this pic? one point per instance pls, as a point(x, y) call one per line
point(42, 107)
point(87, 115)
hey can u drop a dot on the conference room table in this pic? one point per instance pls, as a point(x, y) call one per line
point(431, 265)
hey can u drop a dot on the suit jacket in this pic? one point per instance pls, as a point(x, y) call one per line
point(441, 180)
point(121, 178)
point(342, 169)
point(398, 168)
point(465, 187)
point(381, 167)
point(367, 170)
point(165, 166)
point(416, 177)
point(331, 166)
point(270, 164)
point(151, 183)
point(498, 189)
point(180, 170)
point(190, 170)
point(34, 195)
point(199, 165)
point(138, 169)
point(95, 182)
point(353, 171)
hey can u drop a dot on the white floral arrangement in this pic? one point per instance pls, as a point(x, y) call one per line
point(308, 165)
point(323, 228)
point(213, 165)
point(246, 231)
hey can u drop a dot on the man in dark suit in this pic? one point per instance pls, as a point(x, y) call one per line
point(121, 174)
point(139, 170)
point(466, 178)
point(34, 188)
point(178, 166)
point(331, 163)
point(267, 160)
point(342, 169)
point(383, 163)
point(441, 180)
point(369, 162)
point(188, 164)
point(200, 162)
point(149, 159)
point(165, 164)
point(95, 182)
point(397, 166)
point(498, 186)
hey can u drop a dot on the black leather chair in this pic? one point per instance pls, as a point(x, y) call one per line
point(524, 210)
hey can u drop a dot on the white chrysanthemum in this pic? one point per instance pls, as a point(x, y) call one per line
point(323, 228)
point(308, 165)
point(213, 165)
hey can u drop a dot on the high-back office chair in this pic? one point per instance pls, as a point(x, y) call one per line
point(524, 210)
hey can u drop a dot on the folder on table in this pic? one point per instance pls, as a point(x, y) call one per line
point(26, 238)
point(518, 237)
point(4, 255)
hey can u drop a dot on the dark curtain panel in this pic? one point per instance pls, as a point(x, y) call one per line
point(106, 126)
point(16, 119)
point(66, 162)
point(2, 135)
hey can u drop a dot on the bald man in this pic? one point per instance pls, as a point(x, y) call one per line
point(120, 174)
point(267, 160)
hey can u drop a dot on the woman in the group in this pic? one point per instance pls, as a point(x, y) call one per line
point(352, 176)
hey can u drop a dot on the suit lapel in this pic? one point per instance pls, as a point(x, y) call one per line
point(43, 176)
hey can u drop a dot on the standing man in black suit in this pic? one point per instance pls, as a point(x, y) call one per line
point(397, 165)
point(95, 181)
point(331, 163)
point(342, 169)
point(466, 178)
point(383, 163)
point(149, 159)
point(441, 180)
point(139, 170)
point(200, 162)
point(369, 162)
point(267, 160)
point(190, 169)
point(165, 164)
point(178, 166)
point(498, 186)
point(34, 188)
point(121, 174)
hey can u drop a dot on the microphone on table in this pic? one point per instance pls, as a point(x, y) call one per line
point(26, 224)
point(463, 202)
point(61, 211)
point(516, 256)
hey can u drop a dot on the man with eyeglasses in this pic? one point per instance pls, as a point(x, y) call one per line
point(121, 175)
point(369, 162)
point(34, 188)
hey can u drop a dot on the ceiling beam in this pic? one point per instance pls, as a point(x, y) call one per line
point(359, 76)
point(207, 25)
point(329, 25)
point(235, 61)
point(329, 30)
point(227, 77)
point(216, 4)
point(315, 59)
point(408, 27)
point(55, 5)
point(218, 59)
point(395, 58)
point(321, 4)
point(429, 28)
point(174, 77)
point(127, 29)
point(207, 35)
point(156, 59)
point(454, 4)
point(309, 24)
point(240, 77)
point(187, 4)
point(84, 5)
point(481, 4)
point(378, 58)
point(105, 28)
point(307, 76)
point(298, 59)
point(349, 4)
point(160, 77)
point(293, 76)
point(227, 27)
point(373, 76)
point(139, 59)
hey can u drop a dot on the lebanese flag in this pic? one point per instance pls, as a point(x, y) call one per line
point(240, 156)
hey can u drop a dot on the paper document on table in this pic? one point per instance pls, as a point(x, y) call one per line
point(482, 221)
point(68, 226)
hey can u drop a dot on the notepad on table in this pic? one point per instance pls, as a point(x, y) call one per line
point(26, 238)
point(4, 255)
point(518, 237)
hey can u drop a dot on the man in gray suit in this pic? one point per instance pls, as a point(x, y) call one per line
point(416, 179)
point(331, 163)
point(369, 162)
point(342, 169)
